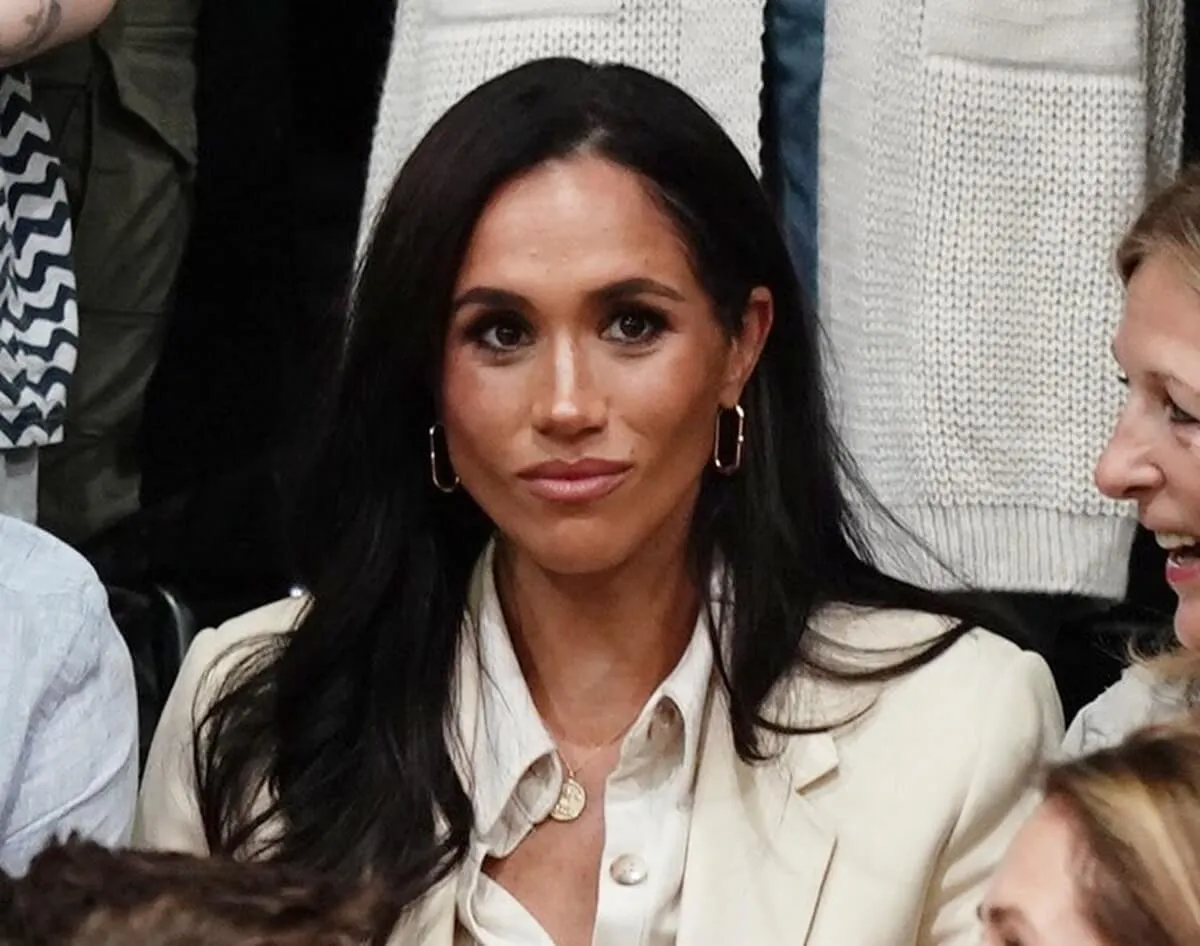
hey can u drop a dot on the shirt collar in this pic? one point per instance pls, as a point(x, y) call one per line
point(508, 738)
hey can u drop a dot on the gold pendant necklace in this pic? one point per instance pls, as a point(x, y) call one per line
point(572, 797)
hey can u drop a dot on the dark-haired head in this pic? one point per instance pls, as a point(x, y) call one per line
point(78, 893)
point(348, 722)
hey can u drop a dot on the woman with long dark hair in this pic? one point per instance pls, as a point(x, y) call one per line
point(592, 652)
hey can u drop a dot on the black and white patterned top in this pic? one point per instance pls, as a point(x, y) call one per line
point(39, 318)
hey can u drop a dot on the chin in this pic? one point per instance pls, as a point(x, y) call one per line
point(1187, 623)
point(567, 550)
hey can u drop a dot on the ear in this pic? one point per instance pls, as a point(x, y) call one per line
point(748, 344)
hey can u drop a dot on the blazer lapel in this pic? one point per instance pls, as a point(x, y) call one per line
point(758, 852)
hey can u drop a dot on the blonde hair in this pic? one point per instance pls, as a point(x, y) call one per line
point(1169, 224)
point(1136, 808)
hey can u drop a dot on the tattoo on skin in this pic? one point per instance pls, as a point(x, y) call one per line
point(40, 25)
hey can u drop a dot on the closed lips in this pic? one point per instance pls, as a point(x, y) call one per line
point(585, 469)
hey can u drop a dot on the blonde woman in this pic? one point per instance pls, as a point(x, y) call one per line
point(1153, 455)
point(1112, 856)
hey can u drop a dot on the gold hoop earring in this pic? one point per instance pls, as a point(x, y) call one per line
point(724, 466)
point(435, 466)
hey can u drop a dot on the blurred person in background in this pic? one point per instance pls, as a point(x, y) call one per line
point(68, 709)
point(120, 104)
point(38, 313)
point(442, 49)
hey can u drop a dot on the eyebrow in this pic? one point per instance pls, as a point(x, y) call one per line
point(613, 292)
point(1166, 377)
point(1163, 377)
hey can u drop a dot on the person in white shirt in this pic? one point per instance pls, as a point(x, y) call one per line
point(1153, 456)
point(68, 703)
point(590, 654)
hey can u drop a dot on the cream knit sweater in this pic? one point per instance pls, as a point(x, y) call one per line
point(980, 159)
point(444, 48)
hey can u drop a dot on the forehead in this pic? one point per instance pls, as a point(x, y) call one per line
point(1037, 877)
point(1160, 329)
point(581, 217)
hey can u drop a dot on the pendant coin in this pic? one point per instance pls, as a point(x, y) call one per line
point(572, 798)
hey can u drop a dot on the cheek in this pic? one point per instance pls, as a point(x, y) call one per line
point(672, 408)
point(478, 411)
point(1187, 619)
point(1181, 471)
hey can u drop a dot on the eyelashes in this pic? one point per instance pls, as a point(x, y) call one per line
point(504, 332)
point(499, 331)
point(636, 324)
point(1178, 415)
point(1175, 413)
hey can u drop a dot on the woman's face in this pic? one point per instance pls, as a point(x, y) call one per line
point(1153, 456)
point(585, 367)
point(1033, 900)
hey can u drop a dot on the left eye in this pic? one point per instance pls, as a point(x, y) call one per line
point(1178, 415)
point(635, 326)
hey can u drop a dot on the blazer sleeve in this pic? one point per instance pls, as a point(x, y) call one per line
point(168, 814)
point(1021, 729)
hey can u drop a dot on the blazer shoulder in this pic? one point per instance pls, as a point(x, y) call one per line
point(970, 675)
point(212, 647)
point(168, 814)
point(275, 618)
point(873, 637)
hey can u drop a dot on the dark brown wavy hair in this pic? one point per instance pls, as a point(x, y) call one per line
point(81, 894)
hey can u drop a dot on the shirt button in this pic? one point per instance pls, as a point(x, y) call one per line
point(629, 870)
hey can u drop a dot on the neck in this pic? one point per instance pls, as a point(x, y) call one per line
point(593, 648)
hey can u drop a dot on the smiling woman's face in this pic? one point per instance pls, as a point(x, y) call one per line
point(1033, 900)
point(1153, 456)
point(585, 368)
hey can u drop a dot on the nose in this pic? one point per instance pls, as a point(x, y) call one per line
point(1127, 469)
point(569, 400)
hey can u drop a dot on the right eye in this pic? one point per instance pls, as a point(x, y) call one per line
point(500, 332)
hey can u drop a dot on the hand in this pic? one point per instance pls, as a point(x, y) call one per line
point(30, 27)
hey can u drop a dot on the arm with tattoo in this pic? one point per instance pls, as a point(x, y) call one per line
point(30, 27)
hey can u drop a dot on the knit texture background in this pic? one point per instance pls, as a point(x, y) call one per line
point(445, 48)
point(980, 161)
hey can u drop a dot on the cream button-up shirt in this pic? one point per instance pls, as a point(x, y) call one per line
point(647, 802)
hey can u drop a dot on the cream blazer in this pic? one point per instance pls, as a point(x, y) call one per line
point(882, 832)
